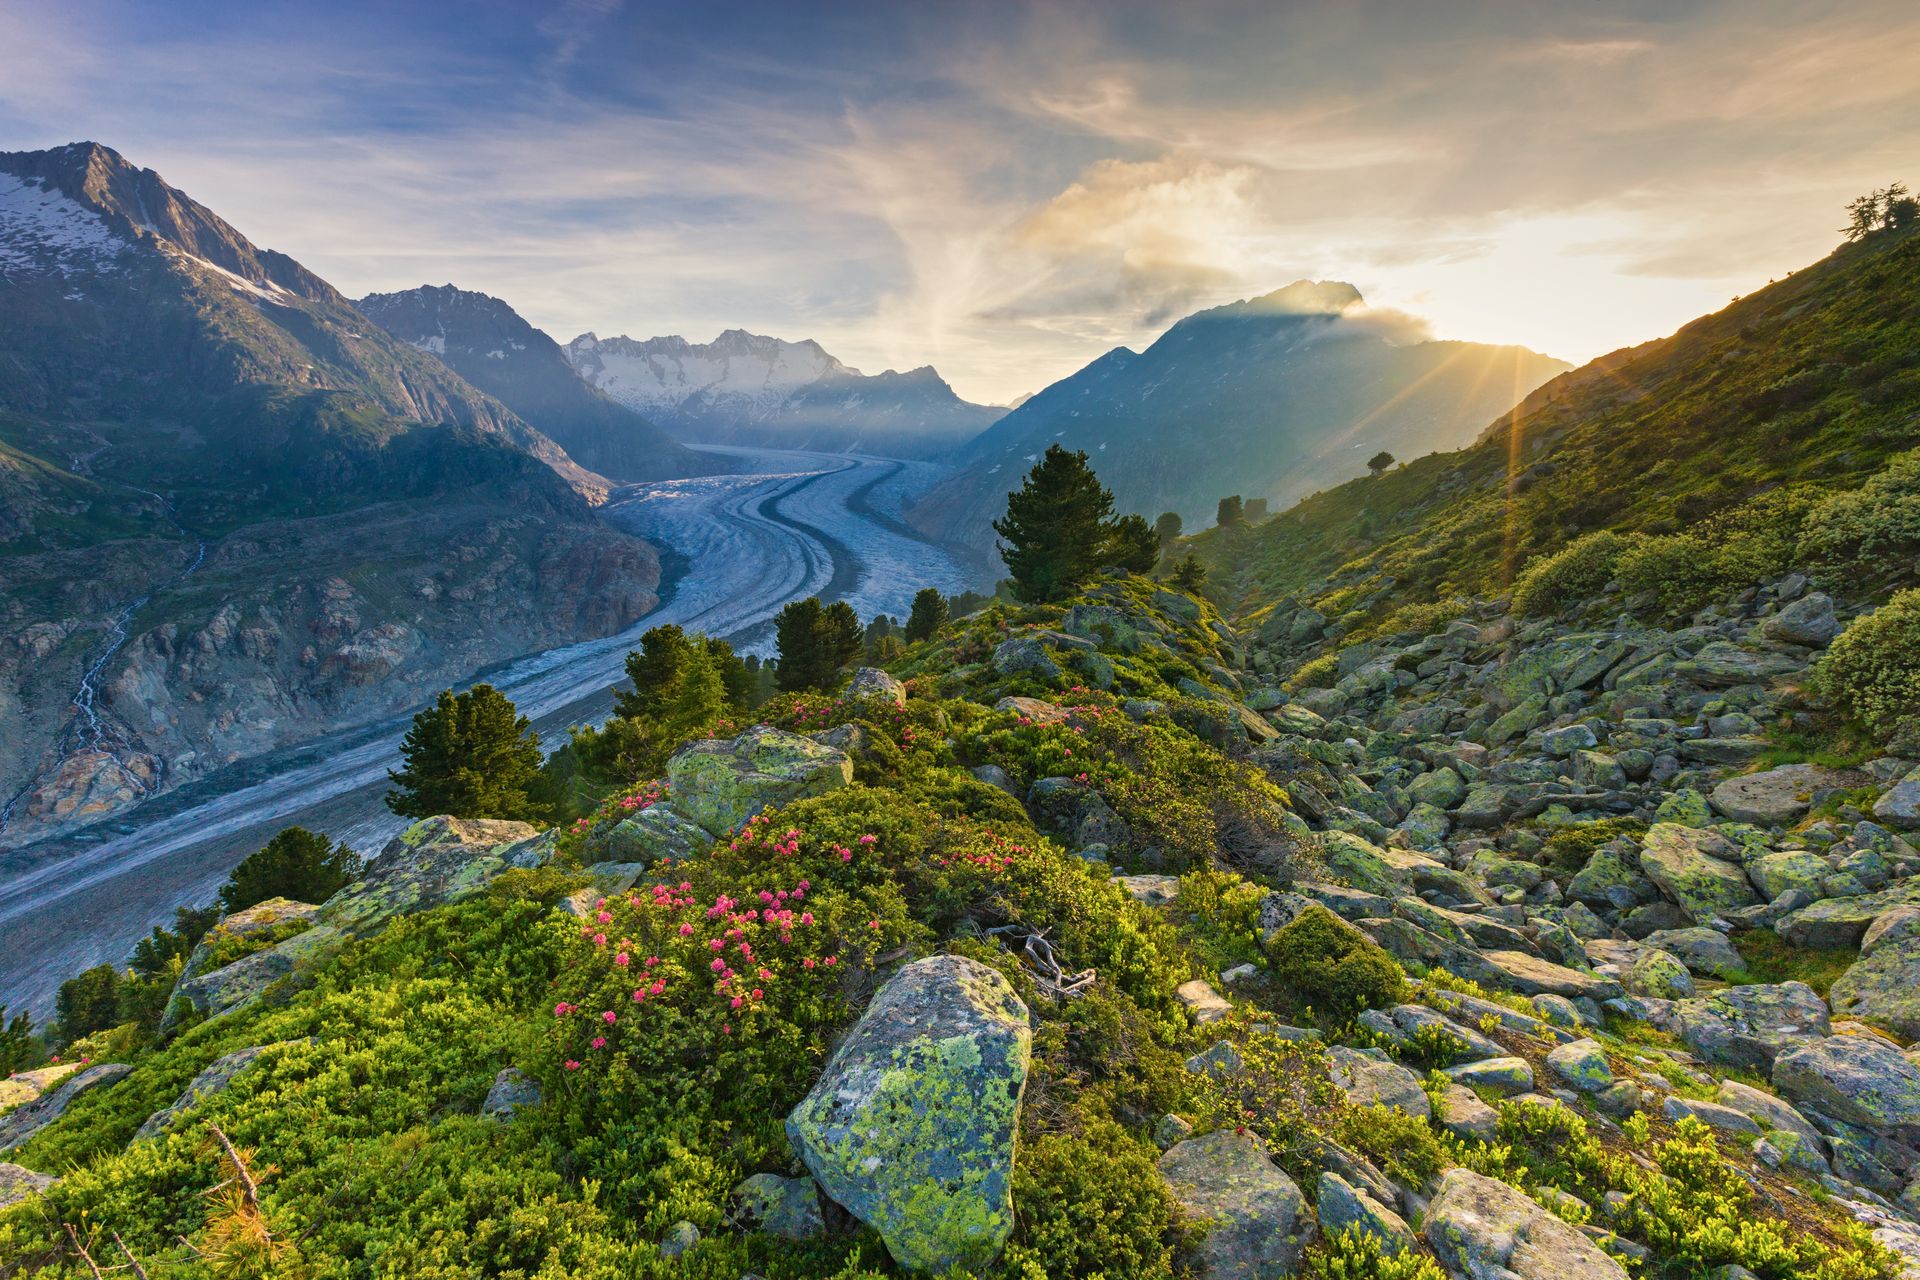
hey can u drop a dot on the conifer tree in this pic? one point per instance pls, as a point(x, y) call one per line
point(1167, 530)
point(297, 864)
point(1190, 574)
point(1230, 513)
point(1131, 545)
point(929, 614)
point(1056, 527)
point(815, 642)
point(471, 755)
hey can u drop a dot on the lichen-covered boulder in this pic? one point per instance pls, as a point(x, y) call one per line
point(1702, 950)
point(784, 1207)
point(274, 916)
point(21, 1123)
point(1532, 976)
point(1505, 1075)
point(433, 862)
point(719, 783)
point(1859, 1079)
point(646, 837)
point(872, 682)
point(1581, 1065)
point(1344, 1207)
point(1838, 924)
point(217, 1076)
point(911, 1126)
point(18, 1184)
point(25, 1086)
point(511, 1090)
point(1883, 986)
point(1370, 1081)
point(1698, 871)
point(1774, 797)
point(1484, 1229)
point(1658, 976)
point(1776, 873)
point(1749, 1026)
point(1024, 654)
point(1257, 1223)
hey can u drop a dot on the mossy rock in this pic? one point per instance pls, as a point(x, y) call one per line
point(720, 783)
point(911, 1126)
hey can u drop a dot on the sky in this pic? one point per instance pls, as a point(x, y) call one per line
point(1003, 190)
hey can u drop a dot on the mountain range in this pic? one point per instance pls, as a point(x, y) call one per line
point(487, 343)
point(1272, 398)
point(746, 389)
point(235, 511)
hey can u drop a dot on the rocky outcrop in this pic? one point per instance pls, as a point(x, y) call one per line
point(17, 1185)
point(719, 783)
point(1256, 1220)
point(21, 1123)
point(1483, 1229)
point(216, 1077)
point(911, 1126)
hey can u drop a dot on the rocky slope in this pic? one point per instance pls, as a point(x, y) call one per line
point(1487, 959)
point(743, 388)
point(236, 513)
point(488, 344)
point(1272, 398)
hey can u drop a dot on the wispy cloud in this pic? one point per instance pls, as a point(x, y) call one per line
point(1003, 190)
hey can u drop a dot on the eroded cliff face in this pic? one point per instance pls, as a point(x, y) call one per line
point(283, 632)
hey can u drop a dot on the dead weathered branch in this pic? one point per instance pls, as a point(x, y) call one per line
point(1041, 962)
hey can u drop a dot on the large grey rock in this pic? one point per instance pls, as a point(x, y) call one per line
point(1883, 986)
point(1258, 1226)
point(275, 915)
point(911, 1126)
point(213, 1079)
point(1698, 871)
point(1369, 1081)
point(1859, 1079)
point(1658, 976)
point(653, 833)
point(1839, 924)
point(784, 1207)
point(1024, 655)
point(1899, 805)
point(1775, 797)
point(872, 682)
point(719, 783)
point(1344, 1207)
point(1749, 1026)
point(512, 1089)
point(21, 1123)
point(1807, 621)
point(18, 1184)
point(1581, 1065)
point(1532, 976)
point(1483, 1229)
point(433, 862)
point(1770, 1112)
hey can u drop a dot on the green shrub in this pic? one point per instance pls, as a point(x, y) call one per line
point(1572, 574)
point(1403, 1146)
point(1091, 1205)
point(1880, 520)
point(1316, 673)
point(1333, 966)
point(1872, 670)
point(1355, 1254)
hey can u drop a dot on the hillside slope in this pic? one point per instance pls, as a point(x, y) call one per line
point(1269, 398)
point(206, 454)
point(488, 344)
point(1812, 382)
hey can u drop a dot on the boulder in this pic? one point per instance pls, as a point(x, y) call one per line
point(872, 682)
point(1715, 1114)
point(260, 918)
point(1155, 891)
point(1203, 1004)
point(1344, 1207)
point(1581, 1065)
point(25, 1086)
point(1776, 873)
point(1769, 1112)
point(1883, 986)
point(1463, 1115)
point(1532, 976)
point(1899, 806)
point(1749, 1026)
point(511, 1090)
point(1703, 950)
point(654, 833)
point(1370, 1081)
point(911, 1126)
point(1483, 1229)
point(1258, 1226)
point(432, 863)
point(1024, 655)
point(1807, 621)
point(719, 783)
point(216, 1077)
point(1032, 711)
point(1774, 798)
point(1861, 1080)
point(18, 1184)
point(1839, 924)
point(1507, 1076)
point(21, 1123)
point(784, 1207)
point(1698, 871)
point(1658, 976)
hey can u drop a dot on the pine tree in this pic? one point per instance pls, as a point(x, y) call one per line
point(1055, 527)
point(86, 1003)
point(1131, 545)
point(471, 755)
point(658, 669)
point(1167, 530)
point(297, 864)
point(1190, 575)
point(18, 1049)
point(1380, 462)
point(740, 681)
point(928, 616)
point(1230, 512)
point(815, 642)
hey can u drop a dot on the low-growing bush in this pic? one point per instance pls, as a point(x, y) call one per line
point(1572, 574)
point(1316, 673)
point(1872, 670)
point(1334, 967)
point(1355, 1254)
point(1878, 521)
point(1091, 1205)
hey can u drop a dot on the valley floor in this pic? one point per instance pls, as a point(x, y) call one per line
point(795, 524)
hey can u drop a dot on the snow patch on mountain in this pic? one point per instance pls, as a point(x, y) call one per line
point(738, 373)
point(42, 231)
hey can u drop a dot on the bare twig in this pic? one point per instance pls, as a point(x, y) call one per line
point(132, 1261)
point(240, 1173)
point(82, 1251)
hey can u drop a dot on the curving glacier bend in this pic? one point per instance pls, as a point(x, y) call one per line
point(794, 525)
